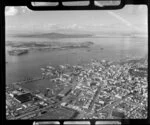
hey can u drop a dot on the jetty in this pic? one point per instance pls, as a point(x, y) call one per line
point(29, 80)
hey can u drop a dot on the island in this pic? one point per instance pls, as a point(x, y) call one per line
point(17, 52)
point(20, 48)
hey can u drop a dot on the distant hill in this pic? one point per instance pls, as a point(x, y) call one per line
point(54, 35)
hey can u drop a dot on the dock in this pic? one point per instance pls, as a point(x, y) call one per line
point(29, 80)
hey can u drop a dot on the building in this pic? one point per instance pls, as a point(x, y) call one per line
point(118, 114)
point(65, 92)
point(118, 96)
point(46, 92)
point(25, 97)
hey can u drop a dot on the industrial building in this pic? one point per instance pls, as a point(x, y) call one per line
point(23, 98)
point(118, 114)
point(65, 92)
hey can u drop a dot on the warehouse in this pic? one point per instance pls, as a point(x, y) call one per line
point(26, 97)
point(65, 92)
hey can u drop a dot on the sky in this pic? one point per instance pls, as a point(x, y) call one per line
point(130, 18)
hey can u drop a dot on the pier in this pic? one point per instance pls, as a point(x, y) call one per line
point(30, 80)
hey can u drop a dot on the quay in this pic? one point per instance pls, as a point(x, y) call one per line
point(29, 80)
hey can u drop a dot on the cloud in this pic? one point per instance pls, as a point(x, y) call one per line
point(68, 26)
point(120, 18)
point(25, 10)
point(11, 11)
point(74, 26)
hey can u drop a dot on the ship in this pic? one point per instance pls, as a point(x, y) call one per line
point(18, 52)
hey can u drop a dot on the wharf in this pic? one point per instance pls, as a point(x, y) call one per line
point(29, 80)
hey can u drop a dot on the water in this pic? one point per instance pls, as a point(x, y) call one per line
point(28, 65)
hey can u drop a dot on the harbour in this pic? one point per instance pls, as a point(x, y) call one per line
point(28, 65)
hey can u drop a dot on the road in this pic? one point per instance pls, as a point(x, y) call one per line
point(136, 106)
point(109, 107)
point(33, 112)
point(43, 109)
point(100, 87)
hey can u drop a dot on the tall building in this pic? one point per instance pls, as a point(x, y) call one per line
point(49, 92)
point(46, 92)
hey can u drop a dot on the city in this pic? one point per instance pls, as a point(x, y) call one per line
point(101, 89)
